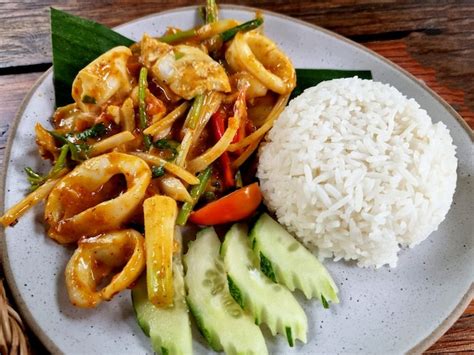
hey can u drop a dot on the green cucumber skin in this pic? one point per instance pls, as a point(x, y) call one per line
point(280, 315)
point(152, 319)
point(300, 269)
point(219, 318)
point(210, 338)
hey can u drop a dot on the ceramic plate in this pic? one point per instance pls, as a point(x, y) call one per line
point(381, 311)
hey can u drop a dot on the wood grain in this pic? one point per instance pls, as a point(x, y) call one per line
point(433, 40)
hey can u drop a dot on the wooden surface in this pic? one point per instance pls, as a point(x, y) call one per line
point(434, 40)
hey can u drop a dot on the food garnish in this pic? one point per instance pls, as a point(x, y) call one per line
point(268, 302)
point(221, 321)
point(236, 206)
point(285, 260)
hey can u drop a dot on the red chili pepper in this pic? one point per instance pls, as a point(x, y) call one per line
point(218, 128)
point(236, 206)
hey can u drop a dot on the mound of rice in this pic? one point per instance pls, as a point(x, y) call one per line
point(357, 170)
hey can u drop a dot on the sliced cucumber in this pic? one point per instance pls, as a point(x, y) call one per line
point(286, 261)
point(169, 328)
point(219, 318)
point(269, 303)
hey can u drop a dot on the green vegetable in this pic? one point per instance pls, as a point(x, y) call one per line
point(178, 36)
point(219, 318)
point(168, 145)
point(78, 151)
point(142, 86)
point(286, 261)
point(195, 193)
point(244, 27)
point(211, 11)
point(157, 171)
point(306, 78)
point(95, 131)
point(36, 180)
point(76, 42)
point(268, 302)
point(88, 99)
point(195, 112)
point(73, 50)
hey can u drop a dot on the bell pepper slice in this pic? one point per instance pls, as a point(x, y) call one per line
point(236, 206)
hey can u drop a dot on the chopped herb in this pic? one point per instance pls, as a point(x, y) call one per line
point(167, 145)
point(95, 131)
point(88, 99)
point(246, 26)
point(157, 171)
point(78, 151)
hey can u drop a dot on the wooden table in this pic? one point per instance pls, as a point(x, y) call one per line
point(434, 40)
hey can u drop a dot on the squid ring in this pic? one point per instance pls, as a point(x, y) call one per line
point(74, 208)
point(98, 257)
point(258, 55)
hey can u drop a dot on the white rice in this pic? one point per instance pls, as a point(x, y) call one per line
point(357, 170)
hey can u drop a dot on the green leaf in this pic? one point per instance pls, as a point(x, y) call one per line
point(306, 78)
point(77, 42)
point(157, 171)
point(95, 131)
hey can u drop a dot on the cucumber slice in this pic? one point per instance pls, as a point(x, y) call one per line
point(269, 303)
point(284, 260)
point(219, 318)
point(169, 328)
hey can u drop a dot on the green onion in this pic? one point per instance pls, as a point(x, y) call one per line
point(195, 112)
point(169, 145)
point(246, 26)
point(196, 193)
point(142, 86)
point(157, 171)
point(78, 151)
point(211, 11)
point(95, 131)
point(178, 36)
point(60, 163)
point(36, 180)
point(202, 13)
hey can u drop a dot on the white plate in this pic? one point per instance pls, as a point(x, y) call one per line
point(381, 311)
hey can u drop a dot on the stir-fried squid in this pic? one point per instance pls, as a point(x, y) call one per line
point(178, 115)
point(99, 257)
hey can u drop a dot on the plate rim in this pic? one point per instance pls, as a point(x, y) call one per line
point(25, 313)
